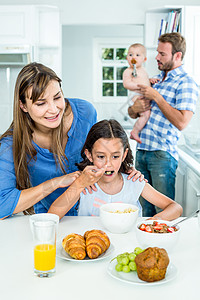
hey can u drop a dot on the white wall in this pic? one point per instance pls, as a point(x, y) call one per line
point(102, 11)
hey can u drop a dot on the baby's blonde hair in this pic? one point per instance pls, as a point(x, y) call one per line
point(138, 45)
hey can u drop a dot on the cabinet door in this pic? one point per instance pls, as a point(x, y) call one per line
point(180, 187)
point(15, 25)
point(192, 192)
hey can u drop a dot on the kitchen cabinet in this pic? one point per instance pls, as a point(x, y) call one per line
point(192, 192)
point(187, 189)
point(180, 188)
point(189, 28)
point(35, 25)
point(16, 23)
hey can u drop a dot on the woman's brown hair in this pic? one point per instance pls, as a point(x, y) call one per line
point(36, 76)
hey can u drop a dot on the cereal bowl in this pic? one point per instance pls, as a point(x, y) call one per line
point(161, 240)
point(118, 217)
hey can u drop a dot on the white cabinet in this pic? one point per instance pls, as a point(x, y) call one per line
point(192, 192)
point(187, 184)
point(180, 187)
point(16, 24)
point(189, 24)
point(35, 25)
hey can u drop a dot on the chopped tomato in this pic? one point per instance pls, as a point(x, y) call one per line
point(148, 229)
point(158, 227)
point(142, 227)
point(170, 229)
point(163, 224)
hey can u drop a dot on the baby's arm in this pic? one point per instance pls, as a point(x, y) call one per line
point(129, 82)
point(153, 80)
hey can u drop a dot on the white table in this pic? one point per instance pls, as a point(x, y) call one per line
point(80, 280)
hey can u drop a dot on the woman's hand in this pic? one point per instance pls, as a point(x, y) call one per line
point(135, 174)
point(68, 179)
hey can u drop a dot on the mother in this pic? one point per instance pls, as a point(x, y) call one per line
point(43, 142)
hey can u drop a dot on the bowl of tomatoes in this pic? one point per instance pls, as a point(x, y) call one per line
point(162, 234)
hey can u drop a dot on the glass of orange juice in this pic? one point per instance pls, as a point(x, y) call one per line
point(44, 235)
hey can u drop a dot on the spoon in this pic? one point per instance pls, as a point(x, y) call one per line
point(193, 214)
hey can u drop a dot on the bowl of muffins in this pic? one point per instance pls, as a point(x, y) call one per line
point(118, 217)
point(151, 233)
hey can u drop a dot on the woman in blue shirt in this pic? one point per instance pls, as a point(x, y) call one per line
point(43, 142)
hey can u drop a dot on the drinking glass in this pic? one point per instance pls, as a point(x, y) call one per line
point(44, 236)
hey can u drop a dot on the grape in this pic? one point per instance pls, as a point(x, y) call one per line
point(132, 266)
point(119, 258)
point(118, 267)
point(132, 256)
point(125, 260)
point(138, 250)
point(126, 269)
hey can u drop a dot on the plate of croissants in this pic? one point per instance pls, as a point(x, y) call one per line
point(92, 245)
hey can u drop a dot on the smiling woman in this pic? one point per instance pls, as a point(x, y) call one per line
point(39, 150)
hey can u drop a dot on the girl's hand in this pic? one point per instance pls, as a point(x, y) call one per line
point(135, 174)
point(68, 179)
point(89, 176)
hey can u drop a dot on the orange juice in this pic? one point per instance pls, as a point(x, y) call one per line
point(44, 257)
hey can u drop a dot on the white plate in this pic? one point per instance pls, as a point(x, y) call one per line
point(132, 277)
point(61, 253)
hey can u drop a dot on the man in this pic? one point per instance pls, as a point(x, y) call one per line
point(173, 103)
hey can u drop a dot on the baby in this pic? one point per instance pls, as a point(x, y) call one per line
point(136, 74)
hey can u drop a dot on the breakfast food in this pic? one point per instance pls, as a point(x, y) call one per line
point(157, 228)
point(126, 261)
point(125, 211)
point(93, 243)
point(74, 245)
point(97, 242)
point(152, 264)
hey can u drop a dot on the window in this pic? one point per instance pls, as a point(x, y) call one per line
point(109, 65)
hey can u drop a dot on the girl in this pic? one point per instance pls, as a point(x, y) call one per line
point(107, 154)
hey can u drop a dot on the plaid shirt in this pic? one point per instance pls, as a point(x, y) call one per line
point(181, 92)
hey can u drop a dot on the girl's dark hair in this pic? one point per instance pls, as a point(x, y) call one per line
point(107, 129)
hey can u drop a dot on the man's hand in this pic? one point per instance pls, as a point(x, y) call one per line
point(139, 106)
point(148, 92)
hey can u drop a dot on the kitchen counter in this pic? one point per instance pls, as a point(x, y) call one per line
point(90, 280)
point(191, 158)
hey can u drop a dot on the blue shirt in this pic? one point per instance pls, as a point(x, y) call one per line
point(90, 203)
point(181, 92)
point(44, 167)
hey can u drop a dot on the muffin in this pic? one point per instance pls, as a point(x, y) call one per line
point(152, 264)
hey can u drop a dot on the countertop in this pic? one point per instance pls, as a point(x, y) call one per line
point(191, 158)
point(90, 280)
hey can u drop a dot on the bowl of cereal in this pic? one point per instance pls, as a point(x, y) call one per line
point(162, 234)
point(118, 217)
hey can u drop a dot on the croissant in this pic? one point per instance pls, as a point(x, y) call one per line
point(74, 245)
point(97, 242)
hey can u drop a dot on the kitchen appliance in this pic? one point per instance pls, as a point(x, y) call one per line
point(15, 55)
point(12, 59)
